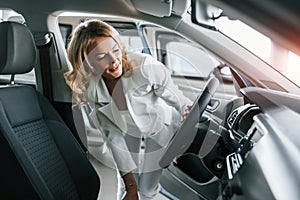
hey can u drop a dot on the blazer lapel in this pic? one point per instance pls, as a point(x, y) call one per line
point(109, 108)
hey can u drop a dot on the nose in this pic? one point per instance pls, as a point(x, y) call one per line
point(111, 56)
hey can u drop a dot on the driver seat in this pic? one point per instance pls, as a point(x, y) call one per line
point(40, 157)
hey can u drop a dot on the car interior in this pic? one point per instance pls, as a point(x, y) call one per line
point(239, 141)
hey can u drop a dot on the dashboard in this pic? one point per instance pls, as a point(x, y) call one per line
point(265, 162)
point(248, 145)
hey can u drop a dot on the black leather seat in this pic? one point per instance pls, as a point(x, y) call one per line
point(40, 158)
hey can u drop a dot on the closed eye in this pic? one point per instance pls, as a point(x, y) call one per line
point(100, 56)
point(116, 50)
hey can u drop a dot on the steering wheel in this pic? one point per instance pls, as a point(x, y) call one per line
point(187, 131)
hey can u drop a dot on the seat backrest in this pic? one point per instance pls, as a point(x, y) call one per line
point(40, 157)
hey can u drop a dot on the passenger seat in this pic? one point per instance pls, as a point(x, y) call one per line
point(40, 157)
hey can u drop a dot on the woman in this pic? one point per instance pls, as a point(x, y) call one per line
point(134, 102)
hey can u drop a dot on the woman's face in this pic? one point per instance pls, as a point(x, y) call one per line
point(106, 57)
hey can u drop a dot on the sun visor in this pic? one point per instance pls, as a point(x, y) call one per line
point(159, 8)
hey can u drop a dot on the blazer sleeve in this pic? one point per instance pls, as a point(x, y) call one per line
point(163, 85)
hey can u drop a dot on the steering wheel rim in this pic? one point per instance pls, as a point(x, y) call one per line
point(181, 139)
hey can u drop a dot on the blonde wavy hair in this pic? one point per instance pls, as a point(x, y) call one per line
point(81, 41)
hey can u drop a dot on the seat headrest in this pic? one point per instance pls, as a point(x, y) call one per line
point(17, 49)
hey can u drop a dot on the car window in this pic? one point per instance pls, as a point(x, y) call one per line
point(126, 28)
point(181, 56)
point(190, 64)
point(128, 35)
point(28, 78)
point(184, 59)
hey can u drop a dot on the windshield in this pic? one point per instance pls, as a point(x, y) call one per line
point(283, 60)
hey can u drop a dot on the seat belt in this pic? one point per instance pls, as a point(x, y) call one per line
point(44, 43)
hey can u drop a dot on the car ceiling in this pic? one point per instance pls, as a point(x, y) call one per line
point(35, 10)
point(277, 19)
point(50, 6)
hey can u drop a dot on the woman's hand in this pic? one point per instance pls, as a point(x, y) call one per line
point(131, 195)
point(186, 112)
point(130, 186)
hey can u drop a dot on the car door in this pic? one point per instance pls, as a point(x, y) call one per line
point(188, 176)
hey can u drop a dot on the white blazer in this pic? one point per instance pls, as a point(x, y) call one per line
point(153, 101)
